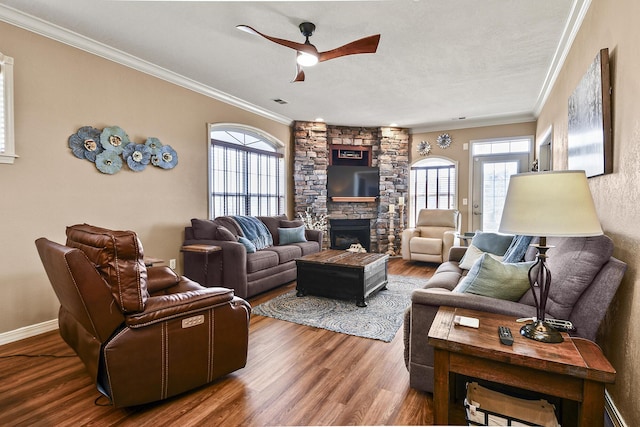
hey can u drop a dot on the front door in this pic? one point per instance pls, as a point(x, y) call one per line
point(491, 176)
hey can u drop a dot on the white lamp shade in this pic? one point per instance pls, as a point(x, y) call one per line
point(557, 203)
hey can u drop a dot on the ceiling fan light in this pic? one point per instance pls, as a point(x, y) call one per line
point(306, 59)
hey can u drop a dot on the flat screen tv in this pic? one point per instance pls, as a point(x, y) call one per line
point(353, 181)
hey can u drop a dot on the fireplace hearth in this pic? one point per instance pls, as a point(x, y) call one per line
point(345, 232)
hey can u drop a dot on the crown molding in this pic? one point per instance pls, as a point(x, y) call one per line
point(574, 22)
point(504, 119)
point(62, 35)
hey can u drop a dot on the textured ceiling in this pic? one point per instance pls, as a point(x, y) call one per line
point(490, 61)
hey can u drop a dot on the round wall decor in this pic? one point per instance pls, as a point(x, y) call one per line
point(424, 148)
point(444, 140)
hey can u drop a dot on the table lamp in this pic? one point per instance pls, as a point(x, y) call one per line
point(543, 204)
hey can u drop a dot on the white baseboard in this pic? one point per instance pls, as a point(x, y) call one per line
point(28, 331)
point(612, 411)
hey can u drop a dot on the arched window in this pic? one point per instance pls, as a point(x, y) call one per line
point(433, 185)
point(246, 172)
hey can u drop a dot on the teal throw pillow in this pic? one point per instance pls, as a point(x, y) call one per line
point(291, 235)
point(492, 242)
point(492, 278)
point(248, 244)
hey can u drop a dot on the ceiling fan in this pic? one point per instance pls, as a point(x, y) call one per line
point(308, 55)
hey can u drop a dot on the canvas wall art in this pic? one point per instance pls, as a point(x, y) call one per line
point(590, 134)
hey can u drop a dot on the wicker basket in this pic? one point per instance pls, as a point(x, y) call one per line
point(485, 407)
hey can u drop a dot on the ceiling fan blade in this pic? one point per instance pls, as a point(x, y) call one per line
point(364, 45)
point(299, 74)
point(301, 47)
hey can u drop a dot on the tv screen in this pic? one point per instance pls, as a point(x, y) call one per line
point(353, 181)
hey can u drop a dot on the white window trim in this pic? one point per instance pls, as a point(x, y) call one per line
point(9, 153)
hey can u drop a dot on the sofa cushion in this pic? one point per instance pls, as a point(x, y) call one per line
point(272, 223)
point(230, 224)
point(261, 260)
point(223, 233)
point(425, 245)
point(438, 218)
point(248, 244)
point(308, 247)
point(433, 232)
point(286, 253)
point(492, 278)
point(574, 263)
point(285, 223)
point(291, 235)
point(204, 229)
point(473, 254)
point(492, 242)
point(447, 279)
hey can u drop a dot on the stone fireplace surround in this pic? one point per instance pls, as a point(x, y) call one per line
point(389, 151)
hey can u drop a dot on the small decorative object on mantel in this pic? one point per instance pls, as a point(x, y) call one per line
point(424, 148)
point(111, 147)
point(444, 140)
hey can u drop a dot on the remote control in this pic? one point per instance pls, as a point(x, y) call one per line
point(505, 335)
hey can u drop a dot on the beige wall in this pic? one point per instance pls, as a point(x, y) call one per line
point(456, 152)
point(59, 89)
point(612, 24)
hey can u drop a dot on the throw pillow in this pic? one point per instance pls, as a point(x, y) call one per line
point(223, 233)
point(471, 255)
point(248, 244)
point(291, 235)
point(204, 229)
point(517, 249)
point(492, 242)
point(492, 278)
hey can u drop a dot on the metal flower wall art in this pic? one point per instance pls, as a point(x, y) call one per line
point(111, 148)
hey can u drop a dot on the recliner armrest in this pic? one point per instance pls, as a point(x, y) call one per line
point(165, 307)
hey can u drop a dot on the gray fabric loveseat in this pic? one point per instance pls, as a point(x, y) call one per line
point(585, 278)
point(249, 266)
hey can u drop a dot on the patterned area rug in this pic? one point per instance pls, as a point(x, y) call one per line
point(380, 320)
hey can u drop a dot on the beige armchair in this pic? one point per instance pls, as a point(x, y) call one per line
point(432, 237)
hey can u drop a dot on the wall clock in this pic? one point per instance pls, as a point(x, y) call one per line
point(424, 148)
point(444, 140)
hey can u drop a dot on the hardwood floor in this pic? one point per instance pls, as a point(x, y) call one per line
point(295, 375)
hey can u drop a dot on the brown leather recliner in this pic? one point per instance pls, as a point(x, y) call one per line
point(144, 334)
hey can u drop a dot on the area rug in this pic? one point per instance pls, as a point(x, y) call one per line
point(380, 319)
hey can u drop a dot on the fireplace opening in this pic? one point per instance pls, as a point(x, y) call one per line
point(345, 232)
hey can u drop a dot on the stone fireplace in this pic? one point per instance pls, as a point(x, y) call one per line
point(389, 151)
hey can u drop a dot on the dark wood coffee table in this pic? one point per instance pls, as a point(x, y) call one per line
point(574, 370)
point(341, 274)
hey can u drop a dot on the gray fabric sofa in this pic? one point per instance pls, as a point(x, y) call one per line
point(248, 274)
point(585, 278)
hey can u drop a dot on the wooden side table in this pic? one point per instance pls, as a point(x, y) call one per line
point(575, 369)
point(201, 277)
